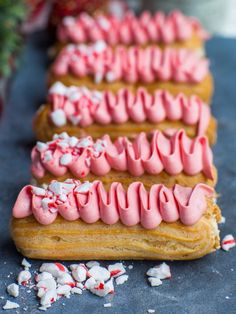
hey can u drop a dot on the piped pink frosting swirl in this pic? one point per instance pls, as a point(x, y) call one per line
point(131, 64)
point(145, 29)
point(172, 154)
point(83, 107)
point(91, 202)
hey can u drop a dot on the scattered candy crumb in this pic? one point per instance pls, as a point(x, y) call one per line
point(222, 221)
point(228, 242)
point(151, 311)
point(107, 305)
point(158, 273)
point(10, 305)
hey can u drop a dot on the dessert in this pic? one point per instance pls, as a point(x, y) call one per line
point(74, 220)
point(175, 30)
point(157, 159)
point(80, 111)
point(98, 66)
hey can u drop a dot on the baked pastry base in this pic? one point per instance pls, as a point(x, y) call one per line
point(126, 179)
point(203, 89)
point(45, 129)
point(73, 240)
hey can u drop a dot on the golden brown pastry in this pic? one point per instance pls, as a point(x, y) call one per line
point(70, 221)
point(80, 111)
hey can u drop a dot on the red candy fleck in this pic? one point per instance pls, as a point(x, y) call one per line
point(114, 272)
point(60, 267)
point(229, 241)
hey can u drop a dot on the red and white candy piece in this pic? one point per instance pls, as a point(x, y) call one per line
point(101, 289)
point(161, 271)
point(116, 269)
point(24, 277)
point(13, 290)
point(66, 279)
point(46, 285)
point(99, 273)
point(56, 269)
point(228, 242)
point(48, 298)
point(63, 290)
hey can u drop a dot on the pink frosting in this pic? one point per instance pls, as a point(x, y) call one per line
point(91, 202)
point(172, 154)
point(83, 107)
point(131, 64)
point(147, 28)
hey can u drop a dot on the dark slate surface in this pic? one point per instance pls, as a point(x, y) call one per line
point(203, 286)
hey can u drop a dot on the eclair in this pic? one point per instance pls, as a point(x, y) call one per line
point(80, 112)
point(73, 220)
point(98, 66)
point(159, 158)
point(172, 30)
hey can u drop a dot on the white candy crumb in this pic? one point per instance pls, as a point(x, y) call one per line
point(10, 305)
point(151, 311)
point(222, 221)
point(58, 117)
point(76, 290)
point(107, 305)
point(121, 279)
point(24, 262)
point(66, 159)
point(161, 271)
point(155, 282)
point(79, 273)
point(130, 266)
point(92, 263)
point(228, 242)
point(13, 290)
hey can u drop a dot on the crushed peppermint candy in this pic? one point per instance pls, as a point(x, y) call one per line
point(161, 271)
point(228, 242)
point(121, 279)
point(54, 281)
point(107, 305)
point(154, 282)
point(222, 220)
point(10, 305)
point(92, 263)
point(157, 274)
point(55, 269)
point(75, 98)
point(116, 269)
point(24, 262)
point(151, 311)
point(99, 273)
point(13, 290)
point(24, 277)
point(58, 117)
point(70, 148)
